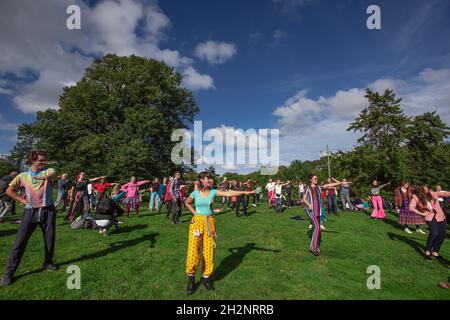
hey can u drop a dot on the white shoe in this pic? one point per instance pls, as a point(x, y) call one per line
point(407, 230)
point(310, 226)
point(420, 231)
point(322, 227)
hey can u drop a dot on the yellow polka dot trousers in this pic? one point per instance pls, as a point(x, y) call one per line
point(202, 232)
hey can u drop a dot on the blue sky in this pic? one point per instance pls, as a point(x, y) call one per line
point(297, 65)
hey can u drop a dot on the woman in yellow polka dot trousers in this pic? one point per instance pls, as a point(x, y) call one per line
point(202, 230)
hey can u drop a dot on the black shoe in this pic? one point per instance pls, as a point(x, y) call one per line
point(191, 285)
point(6, 281)
point(208, 284)
point(50, 267)
point(428, 257)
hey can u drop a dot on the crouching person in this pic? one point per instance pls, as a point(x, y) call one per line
point(38, 210)
point(106, 213)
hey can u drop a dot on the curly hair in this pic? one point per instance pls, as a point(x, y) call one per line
point(32, 155)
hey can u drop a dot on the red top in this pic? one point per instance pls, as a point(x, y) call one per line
point(101, 187)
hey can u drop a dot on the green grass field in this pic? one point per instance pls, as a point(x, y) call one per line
point(263, 256)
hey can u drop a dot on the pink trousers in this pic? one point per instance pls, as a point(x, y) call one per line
point(378, 212)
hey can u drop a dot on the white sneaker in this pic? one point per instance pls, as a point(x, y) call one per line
point(322, 227)
point(420, 231)
point(407, 230)
point(310, 226)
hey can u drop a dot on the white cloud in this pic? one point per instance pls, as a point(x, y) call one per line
point(196, 81)
point(215, 52)
point(35, 38)
point(307, 125)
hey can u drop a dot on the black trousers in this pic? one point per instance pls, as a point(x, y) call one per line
point(46, 219)
point(247, 198)
point(176, 209)
point(240, 200)
point(437, 235)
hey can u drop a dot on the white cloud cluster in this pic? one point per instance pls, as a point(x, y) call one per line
point(308, 125)
point(215, 52)
point(35, 38)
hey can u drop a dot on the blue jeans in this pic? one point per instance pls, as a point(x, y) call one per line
point(278, 204)
point(154, 197)
point(332, 200)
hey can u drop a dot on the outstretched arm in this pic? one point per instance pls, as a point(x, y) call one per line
point(95, 179)
point(233, 193)
point(331, 185)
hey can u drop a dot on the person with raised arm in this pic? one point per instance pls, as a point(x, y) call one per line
point(79, 196)
point(202, 229)
point(132, 198)
point(377, 201)
point(314, 206)
point(278, 190)
point(39, 210)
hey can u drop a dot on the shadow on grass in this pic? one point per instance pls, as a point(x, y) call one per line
point(128, 229)
point(419, 248)
point(394, 223)
point(10, 232)
point(114, 247)
point(236, 257)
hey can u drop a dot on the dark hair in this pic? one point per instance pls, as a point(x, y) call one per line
point(202, 175)
point(423, 196)
point(310, 176)
point(32, 155)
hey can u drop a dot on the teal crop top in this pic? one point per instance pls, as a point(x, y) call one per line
point(202, 204)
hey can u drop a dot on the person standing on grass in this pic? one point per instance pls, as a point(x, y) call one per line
point(63, 192)
point(176, 195)
point(378, 211)
point(301, 190)
point(6, 202)
point(79, 194)
point(132, 198)
point(241, 199)
point(332, 199)
point(270, 186)
point(101, 188)
point(314, 205)
point(288, 190)
point(279, 195)
point(154, 195)
point(405, 216)
point(424, 202)
point(345, 194)
point(202, 229)
point(225, 186)
point(38, 210)
point(161, 193)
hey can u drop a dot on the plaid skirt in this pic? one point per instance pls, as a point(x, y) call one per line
point(133, 201)
point(405, 216)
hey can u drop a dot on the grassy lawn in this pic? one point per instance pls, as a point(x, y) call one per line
point(263, 256)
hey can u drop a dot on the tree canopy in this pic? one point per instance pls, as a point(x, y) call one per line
point(116, 121)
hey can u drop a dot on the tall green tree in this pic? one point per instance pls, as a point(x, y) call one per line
point(384, 128)
point(117, 120)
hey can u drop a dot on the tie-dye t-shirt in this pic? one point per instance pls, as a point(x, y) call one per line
point(39, 193)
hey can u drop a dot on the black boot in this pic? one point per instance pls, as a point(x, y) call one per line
point(191, 285)
point(208, 284)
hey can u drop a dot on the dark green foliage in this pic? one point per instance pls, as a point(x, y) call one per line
point(116, 121)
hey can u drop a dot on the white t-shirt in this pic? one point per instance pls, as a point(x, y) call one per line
point(89, 188)
point(270, 186)
point(301, 188)
point(278, 191)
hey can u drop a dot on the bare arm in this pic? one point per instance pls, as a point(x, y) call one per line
point(13, 195)
point(331, 185)
point(233, 193)
point(413, 206)
point(95, 179)
point(188, 203)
